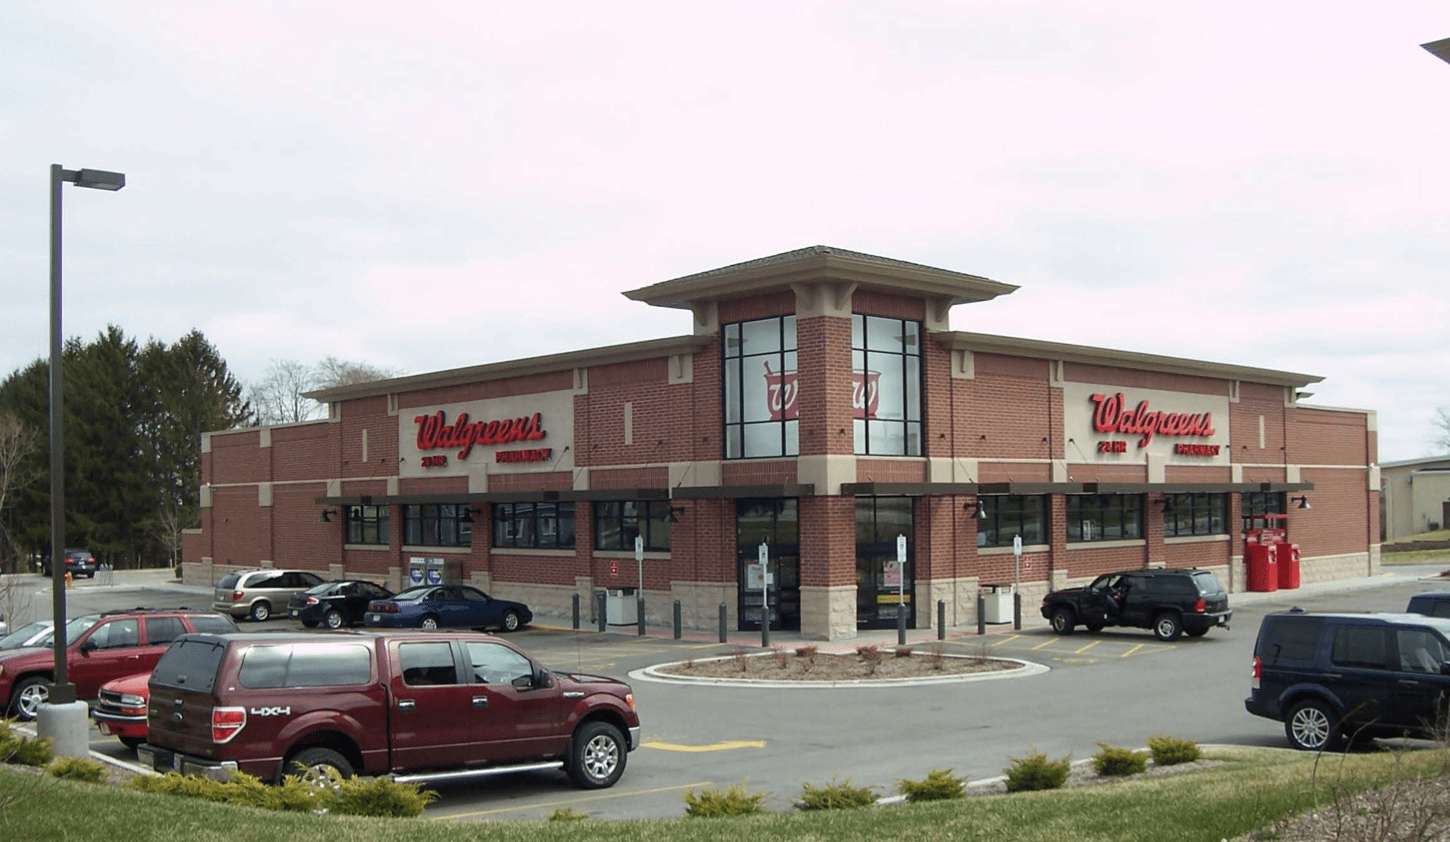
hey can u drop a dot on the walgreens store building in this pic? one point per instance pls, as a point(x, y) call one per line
point(820, 413)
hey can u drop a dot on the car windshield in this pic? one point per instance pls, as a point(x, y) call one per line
point(21, 636)
point(79, 626)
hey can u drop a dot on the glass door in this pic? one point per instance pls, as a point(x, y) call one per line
point(883, 587)
point(775, 522)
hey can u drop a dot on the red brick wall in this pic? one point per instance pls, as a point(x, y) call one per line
point(509, 387)
point(1257, 400)
point(874, 303)
point(826, 413)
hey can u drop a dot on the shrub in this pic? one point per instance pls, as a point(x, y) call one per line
point(806, 657)
point(77, 769)
point(938, 785)
point(1119, 761)
point(935, 658)
point(871, 655)
point(782, 656)
point(1168, 751)
point(834, 796)
point(564, 814)
point(902, 651)
point(354, 796)
point(713, 803)
point(742, 660)
point(1035, 772)
point(380, 797)
point(22, 751)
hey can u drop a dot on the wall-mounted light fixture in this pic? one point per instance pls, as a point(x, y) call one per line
point(1166, 504)
point(975, 508)
point(1302, 500)
point(675, 512)
point(469, 513)
point(326, 516)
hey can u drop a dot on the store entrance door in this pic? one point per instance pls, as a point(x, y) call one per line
point(776, 522)
point(882, 584)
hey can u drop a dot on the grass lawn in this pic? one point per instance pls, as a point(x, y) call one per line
point(1252, 789)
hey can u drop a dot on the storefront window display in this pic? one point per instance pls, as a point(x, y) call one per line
point(762, 390)
point(1104, 517)
point(886, 385)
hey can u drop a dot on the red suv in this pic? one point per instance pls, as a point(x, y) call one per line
point(99, 648)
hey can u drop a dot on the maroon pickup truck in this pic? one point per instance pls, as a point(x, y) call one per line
point(419, 705)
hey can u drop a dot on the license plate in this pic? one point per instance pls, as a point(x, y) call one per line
point(294, 612)
point(373, 618)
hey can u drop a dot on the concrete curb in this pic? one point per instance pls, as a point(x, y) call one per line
point(1023, 670)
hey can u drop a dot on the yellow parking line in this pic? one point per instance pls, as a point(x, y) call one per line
point(1087, 647)
point(1048, 642)
point(1133, 650)
point(723, 746)
point(579, 800)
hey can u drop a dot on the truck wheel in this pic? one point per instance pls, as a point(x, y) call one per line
point(1093, 627)
point(332, 619)
point(261, 610)
point(1062, 620)
point(1196, 632)
point(511, 620)
point(131, 742)
point(597, 755)
point(29, 695)
point(319, 765)
point(429, 623)
point(1312, 726)
point(1167, 626)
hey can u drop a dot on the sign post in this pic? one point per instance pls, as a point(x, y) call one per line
point(1017, 582)
point(639, 597)
point(900, 590)
point(764, 595)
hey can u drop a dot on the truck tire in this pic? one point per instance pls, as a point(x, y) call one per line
point(1167, 626)
point(597, 755)
point(29, 695)
point(1063, 620)
point(318, 764)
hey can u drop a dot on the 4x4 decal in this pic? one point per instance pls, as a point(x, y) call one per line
point(273, 711)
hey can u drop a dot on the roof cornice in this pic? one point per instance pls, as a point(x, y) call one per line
point(609, 355)
point(1088, 355)
point(820, 264)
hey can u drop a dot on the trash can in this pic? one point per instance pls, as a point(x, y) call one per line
point(621, 608)
point(1263, 567)
point(997, 604)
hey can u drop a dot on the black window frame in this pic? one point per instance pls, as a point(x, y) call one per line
point(615, 527)
point(1197, 513)
point(735, 359)
point(1253, 505)
point(910, 427)
point(997, 512)
point(437, 525)
point(1119, 517)
point(366, 524)
point(506, 515)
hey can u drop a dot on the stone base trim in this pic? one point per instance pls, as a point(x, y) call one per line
point(828, 613)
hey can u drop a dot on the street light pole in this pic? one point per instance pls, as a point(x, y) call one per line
point(62, 692)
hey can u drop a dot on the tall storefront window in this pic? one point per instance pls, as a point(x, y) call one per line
point(774, 522)
point(762, 410)
point(618, 522)
point(1002, 518)
point(886, 385)
point(539, 526)
point(1195, 514)
point(1104, 517)
point(1256, 504)
point(881, 583)
point(438, 525)
point(367, 524)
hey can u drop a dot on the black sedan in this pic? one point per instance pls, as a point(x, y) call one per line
point(447, 607)
point(335, 604)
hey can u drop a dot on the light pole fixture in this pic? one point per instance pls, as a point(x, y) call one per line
point(1439, 49)
point(62, 691)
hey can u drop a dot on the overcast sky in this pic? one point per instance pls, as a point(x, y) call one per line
point(441, 184)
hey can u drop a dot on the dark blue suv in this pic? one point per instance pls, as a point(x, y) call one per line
point(1331, 677)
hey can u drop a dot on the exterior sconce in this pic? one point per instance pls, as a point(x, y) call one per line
point(1302, 500)
point(975, 508)
point(469, 513)
point(675, 512)
point(326, 516)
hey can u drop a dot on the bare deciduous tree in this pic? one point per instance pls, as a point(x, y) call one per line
point(1442, 430)
point(17, 442)
point(280, 397)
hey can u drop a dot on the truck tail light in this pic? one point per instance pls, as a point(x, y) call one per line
point(237, 596)
point(1200, 606)
point(227, 723)
point(1258, 671)
point(629, 699)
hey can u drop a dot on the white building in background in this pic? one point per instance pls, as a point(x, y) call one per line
point(1416, 496)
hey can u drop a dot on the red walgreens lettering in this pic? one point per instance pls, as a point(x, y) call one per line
point(1109, 416)
point(434, 431)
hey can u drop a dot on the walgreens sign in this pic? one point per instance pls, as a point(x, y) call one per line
point(504, 435)
point(1125, 426)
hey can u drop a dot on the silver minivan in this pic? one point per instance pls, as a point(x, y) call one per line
point(258, 593)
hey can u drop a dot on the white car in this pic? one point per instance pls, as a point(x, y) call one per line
point(30, 634)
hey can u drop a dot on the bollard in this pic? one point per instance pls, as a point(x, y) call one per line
point(1016, 609)
point(599, 608)
point(677, 619)
point(764, 629)
point(639, 606)
point(576, 612)
point(941, 619)
point(722, 622)
point(981, 613)
point(900, 624)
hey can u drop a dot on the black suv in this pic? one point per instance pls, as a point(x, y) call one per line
point(78, 563)
point(1431, 604)
point(1332, 676)
point(1170, 602)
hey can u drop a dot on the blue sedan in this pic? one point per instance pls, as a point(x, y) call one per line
point(446, 607)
